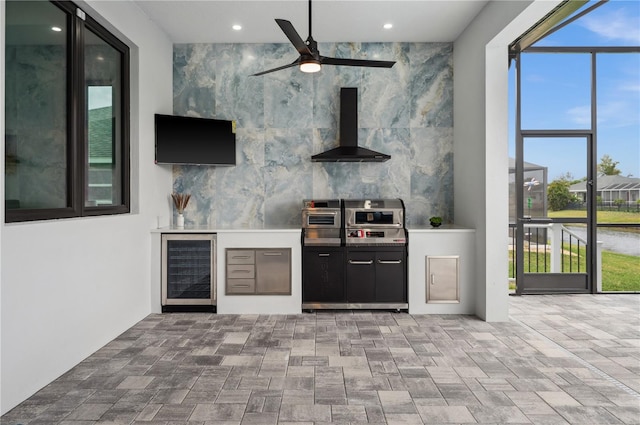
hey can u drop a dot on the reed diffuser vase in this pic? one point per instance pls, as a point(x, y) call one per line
point(180, 201)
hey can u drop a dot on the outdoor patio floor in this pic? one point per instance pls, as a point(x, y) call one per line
point(561, 359)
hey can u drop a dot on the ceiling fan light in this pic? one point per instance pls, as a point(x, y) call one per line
point(310, 66)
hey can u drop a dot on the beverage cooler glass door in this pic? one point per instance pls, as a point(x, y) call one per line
point(188, 269)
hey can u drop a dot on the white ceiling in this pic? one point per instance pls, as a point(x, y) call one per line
point(209, 21)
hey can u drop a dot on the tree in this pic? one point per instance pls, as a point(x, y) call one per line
point(568, 177)
point(558, 195)
point(608, 167)
point(619, 202)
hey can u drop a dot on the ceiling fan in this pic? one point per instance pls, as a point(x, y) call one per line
point(310, 59)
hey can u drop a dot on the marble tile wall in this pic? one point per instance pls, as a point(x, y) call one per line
point(285, 117)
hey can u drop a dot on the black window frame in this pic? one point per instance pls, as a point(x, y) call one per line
point(77, 138)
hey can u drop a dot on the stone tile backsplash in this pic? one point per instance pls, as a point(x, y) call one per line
point(285, 117)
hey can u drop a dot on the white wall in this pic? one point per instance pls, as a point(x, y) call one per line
point(70, 286)
point(443, 241)
point(480, 63)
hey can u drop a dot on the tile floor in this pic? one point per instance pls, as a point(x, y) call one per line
point(568, 359)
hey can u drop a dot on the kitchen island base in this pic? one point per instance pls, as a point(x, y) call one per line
point(354, 278)
point(441, 270)
point(285, 240)
point(446, 241)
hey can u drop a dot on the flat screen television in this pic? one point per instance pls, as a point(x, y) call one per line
point(189, 140)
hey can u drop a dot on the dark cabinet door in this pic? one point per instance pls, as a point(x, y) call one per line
point(361, 277)
point(323, 274)
point(390, 277)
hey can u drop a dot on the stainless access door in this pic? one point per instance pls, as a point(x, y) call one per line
point(550, 257)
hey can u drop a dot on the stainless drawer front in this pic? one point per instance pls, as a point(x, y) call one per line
point(241, 286)
point(241, 271)
point(241, 256)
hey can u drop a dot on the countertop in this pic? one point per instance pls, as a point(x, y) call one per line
point(207, 229)
point(427, 228)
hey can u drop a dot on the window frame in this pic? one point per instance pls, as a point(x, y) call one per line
point(77, 125)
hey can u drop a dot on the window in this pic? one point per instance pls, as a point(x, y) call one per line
point(67, 114)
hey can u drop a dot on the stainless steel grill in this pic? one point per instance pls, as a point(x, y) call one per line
point(354, 254)
point(374, 222)
point(322, 222)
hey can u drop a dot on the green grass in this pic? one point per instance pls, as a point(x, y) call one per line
point(603, 217)
point(620, 272)
point(541, 262)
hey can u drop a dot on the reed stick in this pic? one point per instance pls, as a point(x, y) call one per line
point(180, 200)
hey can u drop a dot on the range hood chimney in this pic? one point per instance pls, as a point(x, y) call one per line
point(349, 151)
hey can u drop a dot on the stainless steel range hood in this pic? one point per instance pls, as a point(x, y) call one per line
point(349, 151)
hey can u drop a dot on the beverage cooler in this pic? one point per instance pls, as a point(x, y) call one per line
point(188, 272)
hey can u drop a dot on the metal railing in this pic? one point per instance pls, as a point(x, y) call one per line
point(550, 248)
point(568, 234)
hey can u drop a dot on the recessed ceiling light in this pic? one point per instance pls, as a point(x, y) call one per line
point(56, 29)
point(237, 27)
point(388, 26)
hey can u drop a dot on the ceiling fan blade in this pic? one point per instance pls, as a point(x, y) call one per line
point(294, 63)
point(356, 62)
point(293, 36)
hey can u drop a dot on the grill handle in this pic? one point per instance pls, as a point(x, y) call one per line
point(364, 263)
point(389, 261)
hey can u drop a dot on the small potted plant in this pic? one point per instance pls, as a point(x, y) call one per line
point(180, 201)
point(435, 221)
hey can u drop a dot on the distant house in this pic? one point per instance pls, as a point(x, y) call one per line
point(610, 188)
